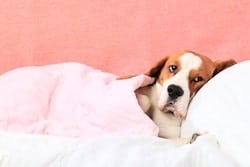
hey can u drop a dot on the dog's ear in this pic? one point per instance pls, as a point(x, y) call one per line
point(156, 69)
point(221, 65)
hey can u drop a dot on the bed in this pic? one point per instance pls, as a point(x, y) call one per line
point(52, 51)
point(70, 114)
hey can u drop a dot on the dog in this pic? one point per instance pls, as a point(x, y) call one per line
point(178, 77)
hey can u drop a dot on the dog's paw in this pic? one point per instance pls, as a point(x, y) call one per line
point(205, 138)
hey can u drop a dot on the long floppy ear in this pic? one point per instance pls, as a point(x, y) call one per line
point(221, 65)
point(156, 69)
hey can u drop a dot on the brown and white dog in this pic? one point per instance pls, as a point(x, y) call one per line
point(177, 79)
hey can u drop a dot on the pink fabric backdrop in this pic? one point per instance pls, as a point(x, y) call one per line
point(120, 36)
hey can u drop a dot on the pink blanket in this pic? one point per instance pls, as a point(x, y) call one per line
point(73, 100)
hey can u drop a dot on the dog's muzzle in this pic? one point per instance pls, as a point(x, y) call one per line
point(174, 92)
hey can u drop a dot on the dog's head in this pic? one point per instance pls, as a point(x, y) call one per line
point(180, 76)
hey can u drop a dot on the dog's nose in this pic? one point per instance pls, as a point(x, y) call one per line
point(175, 91)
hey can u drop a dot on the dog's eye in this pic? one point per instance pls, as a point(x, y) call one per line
point(172, 68)
point(198, 79)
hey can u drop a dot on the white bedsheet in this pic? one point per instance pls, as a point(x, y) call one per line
point(23, 150)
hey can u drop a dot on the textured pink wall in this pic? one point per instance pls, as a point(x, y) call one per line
point(120, 36)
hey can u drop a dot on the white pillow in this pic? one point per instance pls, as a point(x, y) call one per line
point(222, 107)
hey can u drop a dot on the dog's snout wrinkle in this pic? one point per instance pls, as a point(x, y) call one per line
point(175, 91)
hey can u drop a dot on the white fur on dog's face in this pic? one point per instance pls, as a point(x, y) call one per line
point(187, 62)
